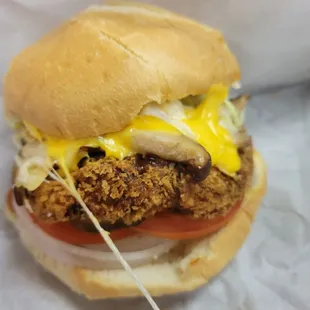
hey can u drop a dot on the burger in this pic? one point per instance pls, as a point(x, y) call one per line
point(134, 172)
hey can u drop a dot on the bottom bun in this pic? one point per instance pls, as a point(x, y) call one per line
point(190, 265)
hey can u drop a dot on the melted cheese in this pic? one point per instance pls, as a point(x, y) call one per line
point(68, 153)
point(203, 121)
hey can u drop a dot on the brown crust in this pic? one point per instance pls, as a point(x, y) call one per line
point(129, 191)
point(202, 260)
point(94, 73)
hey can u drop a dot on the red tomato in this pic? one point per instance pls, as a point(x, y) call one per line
point(66, 232)
point(182, 227)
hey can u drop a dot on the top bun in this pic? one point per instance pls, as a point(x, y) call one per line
point(95, 72)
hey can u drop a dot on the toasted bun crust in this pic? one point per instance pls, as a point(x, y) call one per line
point(202, 260)
point(95, 72)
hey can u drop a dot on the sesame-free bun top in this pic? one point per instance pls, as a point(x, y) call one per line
point(94, 73)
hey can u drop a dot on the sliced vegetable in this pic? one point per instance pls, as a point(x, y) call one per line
point(31, 172)
point(33, 165)
point(232, 117)
point(182, 227)
point(66, 232)
point(136, 250)
point(171, 113)
point(241, 102)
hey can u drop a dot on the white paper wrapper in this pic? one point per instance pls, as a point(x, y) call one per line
point(272, 270)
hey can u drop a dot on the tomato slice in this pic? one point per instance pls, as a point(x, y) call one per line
point(66, 232)
point(182, 227)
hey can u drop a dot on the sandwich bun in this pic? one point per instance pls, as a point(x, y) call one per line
point(94, 73)
point(194, 264)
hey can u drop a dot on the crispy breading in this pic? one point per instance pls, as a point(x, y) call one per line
point(113, 190)
point(133, 189)
point(219, 192)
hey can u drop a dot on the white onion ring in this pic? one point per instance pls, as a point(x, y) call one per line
point(136, 250)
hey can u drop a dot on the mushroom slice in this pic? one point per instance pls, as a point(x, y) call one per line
point(174, 147)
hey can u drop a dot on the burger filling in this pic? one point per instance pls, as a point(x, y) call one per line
point(126, 192)
point(190, 159)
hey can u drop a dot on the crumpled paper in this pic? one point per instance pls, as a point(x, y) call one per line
point(272, 270)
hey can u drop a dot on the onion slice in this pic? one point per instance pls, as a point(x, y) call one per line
point(137, 250)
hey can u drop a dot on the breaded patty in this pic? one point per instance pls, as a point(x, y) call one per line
point(219, 192)
point(130, 190)
point(115, 190)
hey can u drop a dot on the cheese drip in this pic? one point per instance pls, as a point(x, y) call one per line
point(203, 121)
point(116, 144)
